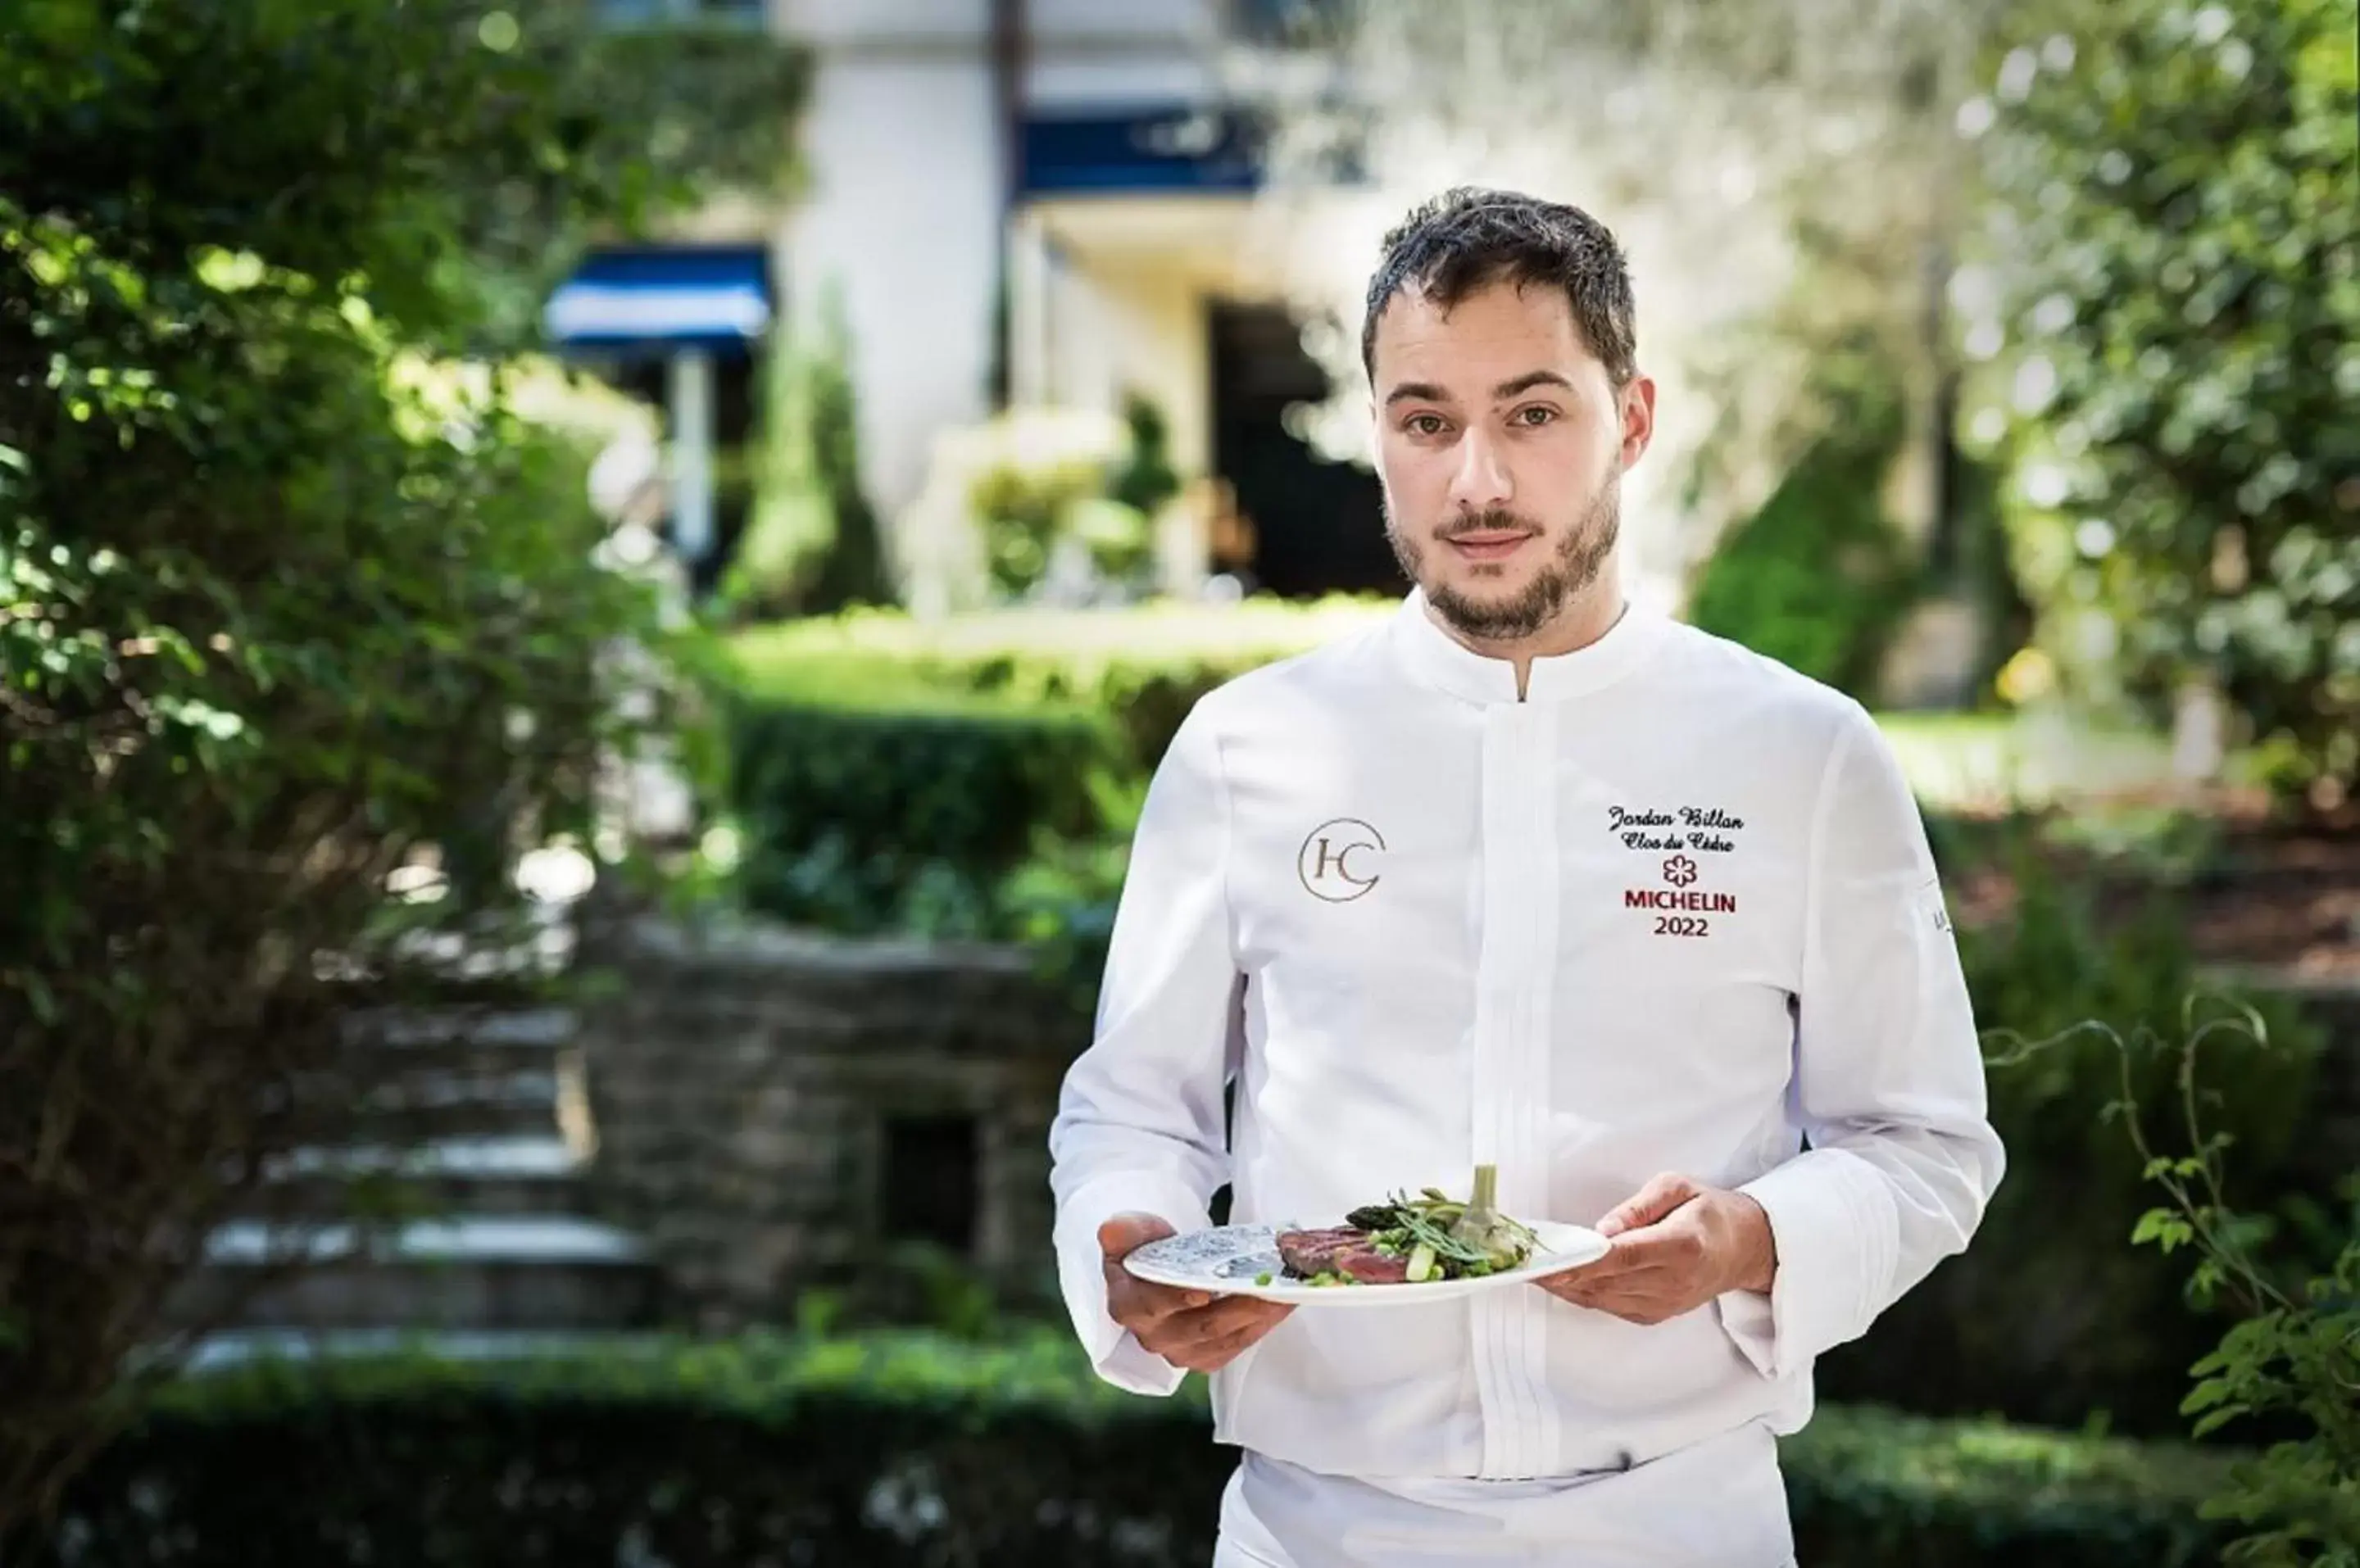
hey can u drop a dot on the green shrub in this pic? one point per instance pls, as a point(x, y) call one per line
point(1143, 667)
point(1820, 578)
point(1147, 479)
point(812, 541)
point(975, 776)
point(913, 1450)
point(2049, 1316)
point(2290, 1364)
point(903, 810)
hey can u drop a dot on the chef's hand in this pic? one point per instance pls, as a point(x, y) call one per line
point(1676, 1245)
point(1192, 1330)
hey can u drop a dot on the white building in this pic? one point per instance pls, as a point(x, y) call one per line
point(1074, 163)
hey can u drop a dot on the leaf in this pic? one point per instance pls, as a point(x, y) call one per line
point(44, 1001)
point(2205, 1395)
point(2212, 1421)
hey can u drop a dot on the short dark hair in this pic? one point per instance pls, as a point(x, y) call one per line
point(1468, 239)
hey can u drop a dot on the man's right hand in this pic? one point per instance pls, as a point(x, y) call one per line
point(1191, 1329)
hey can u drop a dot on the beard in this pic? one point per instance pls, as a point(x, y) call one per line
point(1582, 554)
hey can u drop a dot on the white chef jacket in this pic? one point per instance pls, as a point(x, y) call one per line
point(1671, 910)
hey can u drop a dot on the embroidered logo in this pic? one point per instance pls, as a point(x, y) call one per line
point(1687, 830)
point(1679, 908)
point(1338, 861)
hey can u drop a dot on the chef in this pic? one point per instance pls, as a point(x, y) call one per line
point(1526, 876)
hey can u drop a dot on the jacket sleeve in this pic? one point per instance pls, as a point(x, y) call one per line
point(1140, 1122)
point(1899, 1158)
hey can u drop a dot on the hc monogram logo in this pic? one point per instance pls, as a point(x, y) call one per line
point(1335, 862)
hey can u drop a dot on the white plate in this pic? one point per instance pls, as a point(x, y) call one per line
point(1229, 1259)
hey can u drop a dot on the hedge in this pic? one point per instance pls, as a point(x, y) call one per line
point(895, 774)
point(903, 810)
point(1142, 667)
point(898, 1450)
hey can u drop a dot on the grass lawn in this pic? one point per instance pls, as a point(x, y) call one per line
point(1965, 761)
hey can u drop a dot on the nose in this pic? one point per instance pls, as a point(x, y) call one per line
point(1481, 481)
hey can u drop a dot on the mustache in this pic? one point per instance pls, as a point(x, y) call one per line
point(1498, 520)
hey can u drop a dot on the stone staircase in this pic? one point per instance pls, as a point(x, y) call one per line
point(458, 1210)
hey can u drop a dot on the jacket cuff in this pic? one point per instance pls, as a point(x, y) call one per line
point(1832, 1224)
point(1114, 1352)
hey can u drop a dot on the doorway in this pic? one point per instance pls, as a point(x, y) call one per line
point(1317, 526)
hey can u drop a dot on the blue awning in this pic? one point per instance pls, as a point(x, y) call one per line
point(718, 297)
point(1156, 150)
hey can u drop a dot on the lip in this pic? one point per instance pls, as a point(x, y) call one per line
point(1487, 546)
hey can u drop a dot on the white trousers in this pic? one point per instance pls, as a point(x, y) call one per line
point(1717, 1504)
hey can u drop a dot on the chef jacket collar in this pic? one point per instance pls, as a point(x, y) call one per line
point(1436, 659)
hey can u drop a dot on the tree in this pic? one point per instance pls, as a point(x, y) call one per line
point(2168, 303)
point(286, 593)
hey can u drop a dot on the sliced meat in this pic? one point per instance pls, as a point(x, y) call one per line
point(1370, 1266)
point(1339, 1250)
point(1309, 1252)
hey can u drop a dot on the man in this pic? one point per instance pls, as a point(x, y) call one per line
point(1532, 878)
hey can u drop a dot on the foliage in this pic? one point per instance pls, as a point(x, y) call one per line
point(1143, 667)
point(1146, 479)
point(288, 603)
point(2295, 1352)
point(1034, 501)
point(1819, 577)
point(2047, 1317)
point(910, 1450)
point(1061, 902)
point(976, 777)
point(862, 814)
point(1036, 468)
point(2173, 262)
point(811, 544)
point(542, 127)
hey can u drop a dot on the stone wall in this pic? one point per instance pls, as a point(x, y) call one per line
point(745, 1088)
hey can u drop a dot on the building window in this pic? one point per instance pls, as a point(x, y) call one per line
point(930, 1189)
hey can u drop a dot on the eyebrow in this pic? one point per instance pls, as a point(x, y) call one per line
point(1427, 392)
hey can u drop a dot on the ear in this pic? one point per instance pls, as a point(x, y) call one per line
point(1637, 402)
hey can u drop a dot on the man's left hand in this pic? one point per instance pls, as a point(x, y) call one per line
point(1676, 1245)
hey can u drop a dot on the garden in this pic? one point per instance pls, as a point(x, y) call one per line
point(303, 608)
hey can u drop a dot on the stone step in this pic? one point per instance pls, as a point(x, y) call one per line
point(398, 1041)
point(532, 1174)
point(476, 1272)
point(427, 1106)
point(237, 1347)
